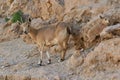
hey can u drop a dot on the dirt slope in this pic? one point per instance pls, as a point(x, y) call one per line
point(19, 58)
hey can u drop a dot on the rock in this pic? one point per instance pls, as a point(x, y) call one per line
point(110, 32)
point(69, 4)
point(92, 29)
point(2, 77)
point(105, 55)
point(75, 60)
point(57, 78)
point(15, 27)
point(78, 14)
point(99, 8)
point(35, 79)
point(26, 38)
point(35, 8)
point(113, 15)
point(47, 9)
point(36, 23)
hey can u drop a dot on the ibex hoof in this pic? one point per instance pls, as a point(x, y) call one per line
point(49, 61)
point(40, 63)
point(60, 60)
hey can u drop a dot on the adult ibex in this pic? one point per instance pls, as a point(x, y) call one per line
point(49, 36)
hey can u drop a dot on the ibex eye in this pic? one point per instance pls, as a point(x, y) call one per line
point(105, 19)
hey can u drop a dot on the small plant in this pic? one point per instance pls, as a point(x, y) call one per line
point(7, 19)
point(17, 16)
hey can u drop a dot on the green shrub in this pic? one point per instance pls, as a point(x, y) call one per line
point(17, 16)
point(7, 19)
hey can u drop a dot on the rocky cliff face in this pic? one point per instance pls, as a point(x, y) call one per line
point(95, 53)
point(47, 9)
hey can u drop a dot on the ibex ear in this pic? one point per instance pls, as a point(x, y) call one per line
point(29, 19)
point(101, 16)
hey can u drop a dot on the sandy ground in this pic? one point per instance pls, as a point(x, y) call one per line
point(19, 57)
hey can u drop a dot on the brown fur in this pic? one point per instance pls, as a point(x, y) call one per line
point(49, 36)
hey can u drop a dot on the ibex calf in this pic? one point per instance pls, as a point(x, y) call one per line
point(49, 36)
